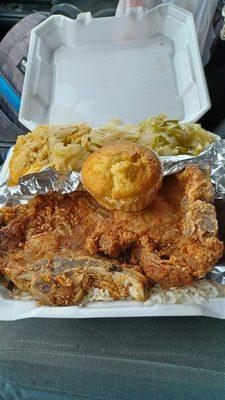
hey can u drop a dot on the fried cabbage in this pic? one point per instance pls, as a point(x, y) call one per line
point(165, 137)
point(65, 147)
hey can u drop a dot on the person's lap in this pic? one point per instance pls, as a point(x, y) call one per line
point(146, 358)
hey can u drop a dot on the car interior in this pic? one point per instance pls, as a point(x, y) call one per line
point(75, 243)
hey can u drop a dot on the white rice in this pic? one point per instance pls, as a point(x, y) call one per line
point(196, 293)
point(16, 294)
point(96, 294)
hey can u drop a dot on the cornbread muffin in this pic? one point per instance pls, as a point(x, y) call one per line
point(123, 176)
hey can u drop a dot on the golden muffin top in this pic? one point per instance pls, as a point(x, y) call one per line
point(121, 171)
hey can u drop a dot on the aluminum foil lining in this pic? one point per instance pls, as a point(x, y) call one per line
point(214, 156)
point(45, 181)
point(218, 273)
point(49, 180)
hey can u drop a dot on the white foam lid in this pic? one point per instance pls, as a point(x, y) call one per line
point(133, 66)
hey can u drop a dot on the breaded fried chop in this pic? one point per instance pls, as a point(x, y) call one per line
point(173, 241)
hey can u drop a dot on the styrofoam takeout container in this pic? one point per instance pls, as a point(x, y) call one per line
point(93, 70)
point(132, 66)
point(18, 309)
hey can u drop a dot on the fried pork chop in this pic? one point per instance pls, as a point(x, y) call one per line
point(66, 281)
point(61, 247)
point(42, 251)
point(175, 238)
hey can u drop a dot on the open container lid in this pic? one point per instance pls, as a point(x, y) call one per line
point(133, 66)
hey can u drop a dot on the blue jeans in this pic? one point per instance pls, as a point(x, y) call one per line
point(146, 358)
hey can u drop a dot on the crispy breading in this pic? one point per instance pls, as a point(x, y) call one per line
point(110, 238)
point(175, 238)
point(172, 242)
point(46, 239)
point(60, 281)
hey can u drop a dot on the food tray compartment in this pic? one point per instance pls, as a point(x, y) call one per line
point(11, 309)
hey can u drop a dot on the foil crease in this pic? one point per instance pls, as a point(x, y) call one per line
point(43, 182)
point(218, 273)
point(214, 156)
point(49, 180)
